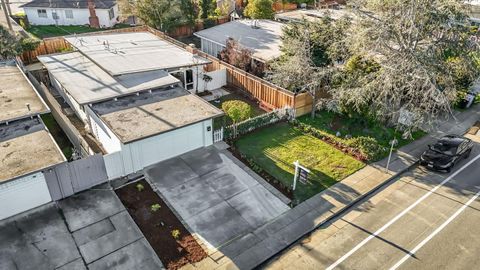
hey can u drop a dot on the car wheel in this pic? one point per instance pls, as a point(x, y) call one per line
point(449, 169)
point(468, 153)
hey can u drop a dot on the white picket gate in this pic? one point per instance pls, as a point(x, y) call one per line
point(218, 135)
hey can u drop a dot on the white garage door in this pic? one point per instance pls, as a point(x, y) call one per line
point(23, 194)
point(158, 148)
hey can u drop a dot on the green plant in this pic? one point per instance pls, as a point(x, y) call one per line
point(140, 187)
point(259, 9)
point(237, 110)
point(155, 207)
point(176, 233)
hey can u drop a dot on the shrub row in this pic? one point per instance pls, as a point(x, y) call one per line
point(251, 124)
point(362, 148)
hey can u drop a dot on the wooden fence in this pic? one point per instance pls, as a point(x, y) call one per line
point(279, 6)
point(188, 30)
point(268, 94)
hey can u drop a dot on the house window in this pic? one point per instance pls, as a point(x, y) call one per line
point(69, 14)
point(111, 14)
point(42, 13)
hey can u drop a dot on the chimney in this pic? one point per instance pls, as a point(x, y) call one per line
point(93, 19)
point(191, 48)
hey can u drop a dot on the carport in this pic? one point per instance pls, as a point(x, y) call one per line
point(216, 199)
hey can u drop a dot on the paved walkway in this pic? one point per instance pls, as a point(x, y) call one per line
point(260, 245)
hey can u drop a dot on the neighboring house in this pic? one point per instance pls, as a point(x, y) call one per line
point(26, 146)
point(263, 37)
point(72, 12)
point(313, 15)
point(474, 6)
point(122, 86)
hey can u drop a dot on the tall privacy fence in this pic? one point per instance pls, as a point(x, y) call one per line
point(269, 95)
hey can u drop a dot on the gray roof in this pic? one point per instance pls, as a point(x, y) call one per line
point(135, 117)
point(264, 40)
point(15, 93)
point(313, 15)
point(88, 83)
point(124, 53)
point(99, 4)
point(27, 147)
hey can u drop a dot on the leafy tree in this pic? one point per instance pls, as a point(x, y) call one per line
point(161, 14)
point(237, 110)
point(9, 45)
point(127, 9)
point(423, 50)
point(188, 10)
point(259, 9)
point(207, 8)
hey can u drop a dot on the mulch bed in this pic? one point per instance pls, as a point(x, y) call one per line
point(157, 226)
point(265, 175)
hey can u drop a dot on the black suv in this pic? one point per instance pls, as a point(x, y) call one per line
point(446, 152)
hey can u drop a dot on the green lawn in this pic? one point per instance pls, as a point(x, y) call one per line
point(46, 31)
point(276, 148)
point(332, 122)
point(58, 135)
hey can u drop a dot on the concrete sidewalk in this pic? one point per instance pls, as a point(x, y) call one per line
point(253, 249)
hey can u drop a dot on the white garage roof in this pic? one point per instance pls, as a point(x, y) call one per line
point(264, 39)
point(88, 83)
point(26, 147)
point(123, 53)
point(132, 118)
point(15, 92)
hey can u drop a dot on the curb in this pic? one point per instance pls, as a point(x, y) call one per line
point(342, 210)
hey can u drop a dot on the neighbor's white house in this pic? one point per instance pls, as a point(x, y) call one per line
point(70, 12)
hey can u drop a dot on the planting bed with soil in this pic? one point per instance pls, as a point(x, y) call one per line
point(172, 242)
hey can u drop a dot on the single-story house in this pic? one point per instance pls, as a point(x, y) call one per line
point(474, 8)
point(313, 15)
point(27, 147)
point(263, 37)
point(123, 87)
point(72, 12)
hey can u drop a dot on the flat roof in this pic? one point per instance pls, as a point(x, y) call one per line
point(313, 15)
point(124, 53)
point(15, 92)
point(88, 83)
point(264, 40)
point(27, 147)
point(135, 117)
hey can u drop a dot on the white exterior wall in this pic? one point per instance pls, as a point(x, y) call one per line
point(211, 47)
point(23, 194)
point(139, 154)
point(103, 134)
point(77, 108)
point(80, 16)
point(219, 79)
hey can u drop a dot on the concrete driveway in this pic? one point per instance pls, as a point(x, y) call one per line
point(214, 195)
point(95, 232)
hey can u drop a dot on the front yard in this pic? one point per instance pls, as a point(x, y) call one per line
point(357, 126)
point(275, 148)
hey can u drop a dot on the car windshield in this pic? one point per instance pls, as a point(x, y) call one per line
point(444, 148)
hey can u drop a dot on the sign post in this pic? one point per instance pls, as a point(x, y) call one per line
point(301, 174)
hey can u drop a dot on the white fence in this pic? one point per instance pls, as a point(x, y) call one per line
point(218, 135)
point(219, 79)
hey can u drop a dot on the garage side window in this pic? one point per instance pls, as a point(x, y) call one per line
point(42, 13)
point(69, 14)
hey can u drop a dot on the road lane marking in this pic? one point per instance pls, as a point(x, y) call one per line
point(384, 227)
point(426, 240)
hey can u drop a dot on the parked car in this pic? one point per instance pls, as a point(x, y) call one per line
point(444, 154)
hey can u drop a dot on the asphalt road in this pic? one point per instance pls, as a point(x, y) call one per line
point(424, 220)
